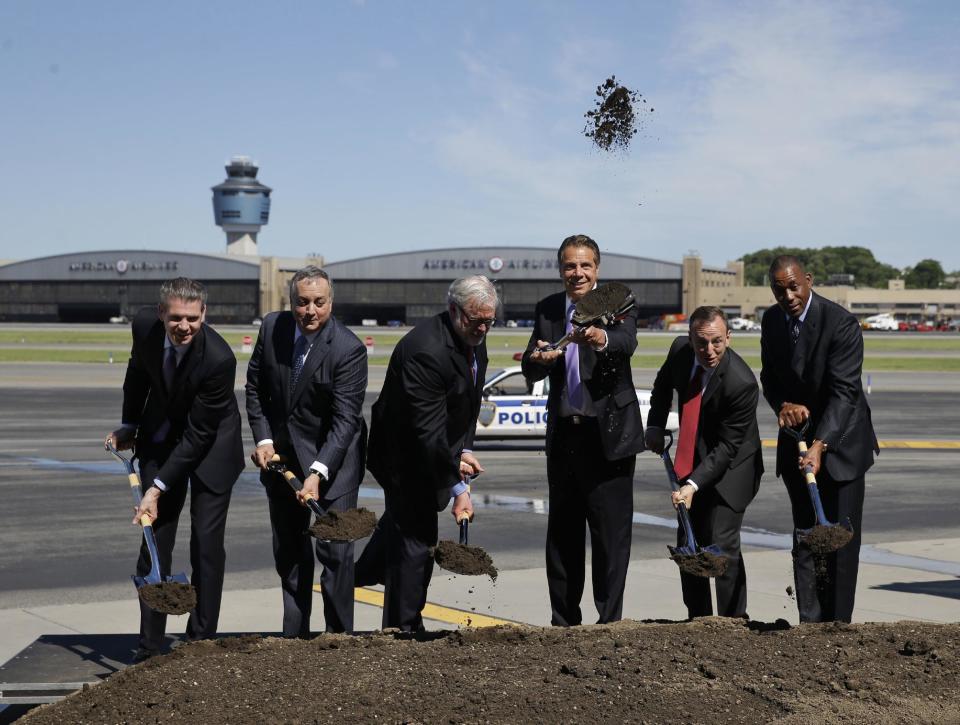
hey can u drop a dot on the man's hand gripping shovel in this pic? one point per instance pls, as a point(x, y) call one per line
point(825, 536)
point(171, 594)
point(329, 525)
point(705, 561)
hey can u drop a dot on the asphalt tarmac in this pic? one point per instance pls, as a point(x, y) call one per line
point(66, 508)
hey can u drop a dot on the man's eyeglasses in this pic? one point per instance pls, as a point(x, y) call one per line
point(477, 321)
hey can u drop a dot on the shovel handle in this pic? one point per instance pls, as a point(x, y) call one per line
point(682, 514)
point(464, 524)
point(812, 489)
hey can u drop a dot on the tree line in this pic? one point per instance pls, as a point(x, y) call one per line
point(835, 262)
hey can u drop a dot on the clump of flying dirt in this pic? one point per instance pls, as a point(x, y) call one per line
point(617, 115)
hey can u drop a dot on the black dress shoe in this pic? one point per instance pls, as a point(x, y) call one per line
point(143, 654)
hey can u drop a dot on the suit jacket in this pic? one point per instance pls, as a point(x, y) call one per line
point(427, 411)
point(204, 435)
point(605, 374)
point(727, 455)
point(322, 420)
point(822, 373)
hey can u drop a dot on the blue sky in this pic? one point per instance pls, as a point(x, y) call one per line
point(387, 126)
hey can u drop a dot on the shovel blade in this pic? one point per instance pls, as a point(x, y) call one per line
point(826, 538)
point(142, 581)
point(709, 561)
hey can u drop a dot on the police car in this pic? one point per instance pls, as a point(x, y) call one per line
point(513, 409)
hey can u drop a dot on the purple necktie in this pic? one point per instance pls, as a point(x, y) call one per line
point(574, 385)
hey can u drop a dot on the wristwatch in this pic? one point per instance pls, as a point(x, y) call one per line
point(317, 472)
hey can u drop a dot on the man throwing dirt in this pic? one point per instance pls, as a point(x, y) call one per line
point(180, 411)
point(812, 354)
point(421, 431)
point(717, 458)
point(594, 432)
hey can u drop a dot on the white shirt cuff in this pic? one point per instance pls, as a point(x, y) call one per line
point(692, 483)
point(160, 484)
point(320, 468)
point(264, 442)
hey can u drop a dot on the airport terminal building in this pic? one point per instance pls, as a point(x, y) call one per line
point(406, 287)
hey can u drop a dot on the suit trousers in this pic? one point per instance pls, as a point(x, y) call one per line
point(714, 522)
point(587, 490)
point(399, 555)
point(825, 585)
point(293, 552)
point(208, 521)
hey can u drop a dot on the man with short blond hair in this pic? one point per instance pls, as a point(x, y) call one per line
point(180, 411)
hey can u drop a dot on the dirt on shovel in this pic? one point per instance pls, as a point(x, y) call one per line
point(826, 539)
point(703, 564)
point(464, 559)
point(169, 597)
point(347, 525)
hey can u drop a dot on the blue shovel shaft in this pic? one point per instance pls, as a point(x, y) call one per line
point(683, 516)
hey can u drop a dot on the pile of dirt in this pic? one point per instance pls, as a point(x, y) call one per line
point(710, 670)
point(169, 597)
point(349, 525)
point(463, 559)
point(614, 120)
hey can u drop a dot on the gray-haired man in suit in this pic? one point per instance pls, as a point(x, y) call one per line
point(305, 387)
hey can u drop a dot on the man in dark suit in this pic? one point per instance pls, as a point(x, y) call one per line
point(812, 354)
point(717, 458)
point(421, 431)
point(305, 386)
point(594, 432)
point(180, 411)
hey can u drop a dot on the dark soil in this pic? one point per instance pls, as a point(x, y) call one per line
point(169, 597)
point(707, 671)
point(614, 121)
point(348, 525)
point(703, 563)
point(463, 559)
point(826, 539)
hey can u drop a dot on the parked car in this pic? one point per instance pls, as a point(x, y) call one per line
point(883, 321)
point(513, 409)
point(119, 320)
point(742, 323)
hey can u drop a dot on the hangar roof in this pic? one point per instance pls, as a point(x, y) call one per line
point(135, 264)
point(497, 262)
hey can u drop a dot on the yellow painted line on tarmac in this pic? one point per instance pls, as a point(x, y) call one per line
point(915, 445)
point(436, 612)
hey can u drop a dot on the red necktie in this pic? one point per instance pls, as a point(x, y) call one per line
point(689, 418)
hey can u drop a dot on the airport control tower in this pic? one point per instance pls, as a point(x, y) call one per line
point(241, 205)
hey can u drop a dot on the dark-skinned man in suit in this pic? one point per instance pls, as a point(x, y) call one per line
point(180, 412)
point(718, 458)
point(305, 386)
point(421, 432)
point(812, 356)
point(594, 432)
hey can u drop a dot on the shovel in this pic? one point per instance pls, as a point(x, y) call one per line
point(347, 525)
point(604, 305)
point(462, 558)
point(823, 537)
point(170, 594)
point(705, 561)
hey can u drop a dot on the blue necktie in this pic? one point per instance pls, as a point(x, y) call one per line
point(300, 349)
point(574, 384)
